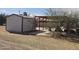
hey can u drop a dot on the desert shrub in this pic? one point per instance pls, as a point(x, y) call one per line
point(58, 29)
point(77, 31)
point(56, 35)
point(70, 31)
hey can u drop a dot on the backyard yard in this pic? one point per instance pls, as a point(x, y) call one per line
point(11, 41)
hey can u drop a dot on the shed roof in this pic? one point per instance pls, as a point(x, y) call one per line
point(20, 16)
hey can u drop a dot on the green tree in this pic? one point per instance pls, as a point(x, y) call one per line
point(2, 19)
point(25, 13)
point(67, 20)
point(53, 21)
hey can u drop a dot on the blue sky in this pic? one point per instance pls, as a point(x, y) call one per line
point(34, 11)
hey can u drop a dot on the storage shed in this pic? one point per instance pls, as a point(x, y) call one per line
point(19, 23)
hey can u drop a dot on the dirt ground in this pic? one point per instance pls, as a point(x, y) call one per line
point(11, 41)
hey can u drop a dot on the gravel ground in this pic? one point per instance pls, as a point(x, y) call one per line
point(11, 41)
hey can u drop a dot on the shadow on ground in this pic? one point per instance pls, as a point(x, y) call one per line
point(29, 32)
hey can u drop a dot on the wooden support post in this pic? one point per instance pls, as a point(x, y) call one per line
point(39, 24)
point(46, 23)
point(43, 23)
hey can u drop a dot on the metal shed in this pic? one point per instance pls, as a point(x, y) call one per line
point(19, 23)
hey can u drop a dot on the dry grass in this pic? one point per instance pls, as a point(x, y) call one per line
point(18, 41)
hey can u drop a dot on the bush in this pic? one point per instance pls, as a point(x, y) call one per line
point(56, 35)
point(70, 31)
point(2, 19)
point(58, 29)
point(77, 31)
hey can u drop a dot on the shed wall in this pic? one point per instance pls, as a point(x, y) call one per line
point(14, 23)
point(28, 24)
